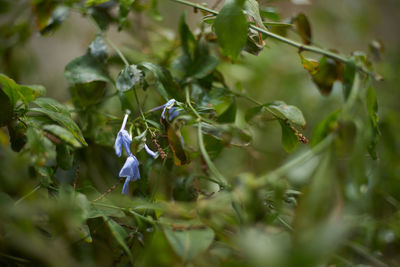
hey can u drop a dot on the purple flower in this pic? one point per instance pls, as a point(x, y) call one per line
point(123, 139)
point(149, 151)
point(130, 170)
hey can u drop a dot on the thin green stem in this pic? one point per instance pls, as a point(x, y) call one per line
point(263, 180)
point(218, 176)
point(190, 104)
point(27, 195)
point(141, 113)
point(285, 40)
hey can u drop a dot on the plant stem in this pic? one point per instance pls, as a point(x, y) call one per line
point(285, 40)
point(27, 195)
point(190, 104)
point(218, 176)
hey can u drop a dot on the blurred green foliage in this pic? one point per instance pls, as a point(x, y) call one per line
point(276, 156)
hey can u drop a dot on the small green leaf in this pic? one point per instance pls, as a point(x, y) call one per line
point(177, 144)
point(289, 139)
point(287, 112)
point(328, 72)
point(252, 8)
point(252, 112)
point(59, 113)
point(168, 88)
point(303, 28)
point(348, 78)
point(6, 109)
point(227, 133)
point(65, 156)
point(326, 126)
point(98, 48)
point(95, 2)
point(17, 131)
point(128, 77)
point(15, 92)
point(189, 243)
point(57, 17)
point(231, 28)
point(309, 64)
point(63, 134)
point(229, 114)
point(119, 234)
point(85, 69)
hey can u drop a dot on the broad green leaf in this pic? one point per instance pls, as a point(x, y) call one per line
point(303, 28)
point(128, 77)
point(189, 243)
point(63, 134)
point(231, 28)
point(327, 125)
point(85, 69)
point(289, 139)
point(119, 234)
point(287, 112)
point(227, 133)
point(177, 144)
point(15, 92)
point(59, 113)
point(6, 109)
point(87, 94)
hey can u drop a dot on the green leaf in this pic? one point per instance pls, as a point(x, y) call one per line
point(63, 134)
point(252, 8)
point(6, 109)
point(287, 112)
point(289, 139)
point(119, 234)
point(98, 48)
point(303, 28)
point(189, 243)
point(57, 17)
point(229, 114)
point(15, 92)
point(227, 133)
point(325, 127)
point(348, 78)
point(65, 156)
point(85, 69)
point(17, 131)
point(128, 77)
point(59, 113)
point(328, 72)
point(309, 64)
point(231, 28)
point(87, 94)
point(168, 88)
point(252, 112)
point(177, 144)
point(95, 2)
point(124, 8)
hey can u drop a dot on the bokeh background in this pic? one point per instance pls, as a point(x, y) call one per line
point(275, 74)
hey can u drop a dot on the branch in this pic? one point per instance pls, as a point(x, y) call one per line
point(285, 40)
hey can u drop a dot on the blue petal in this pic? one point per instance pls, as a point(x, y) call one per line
point(123, 139)
point(173, 112)
point(167, 105)
point(125, 188)
point(149, 151)
point(130, 169)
